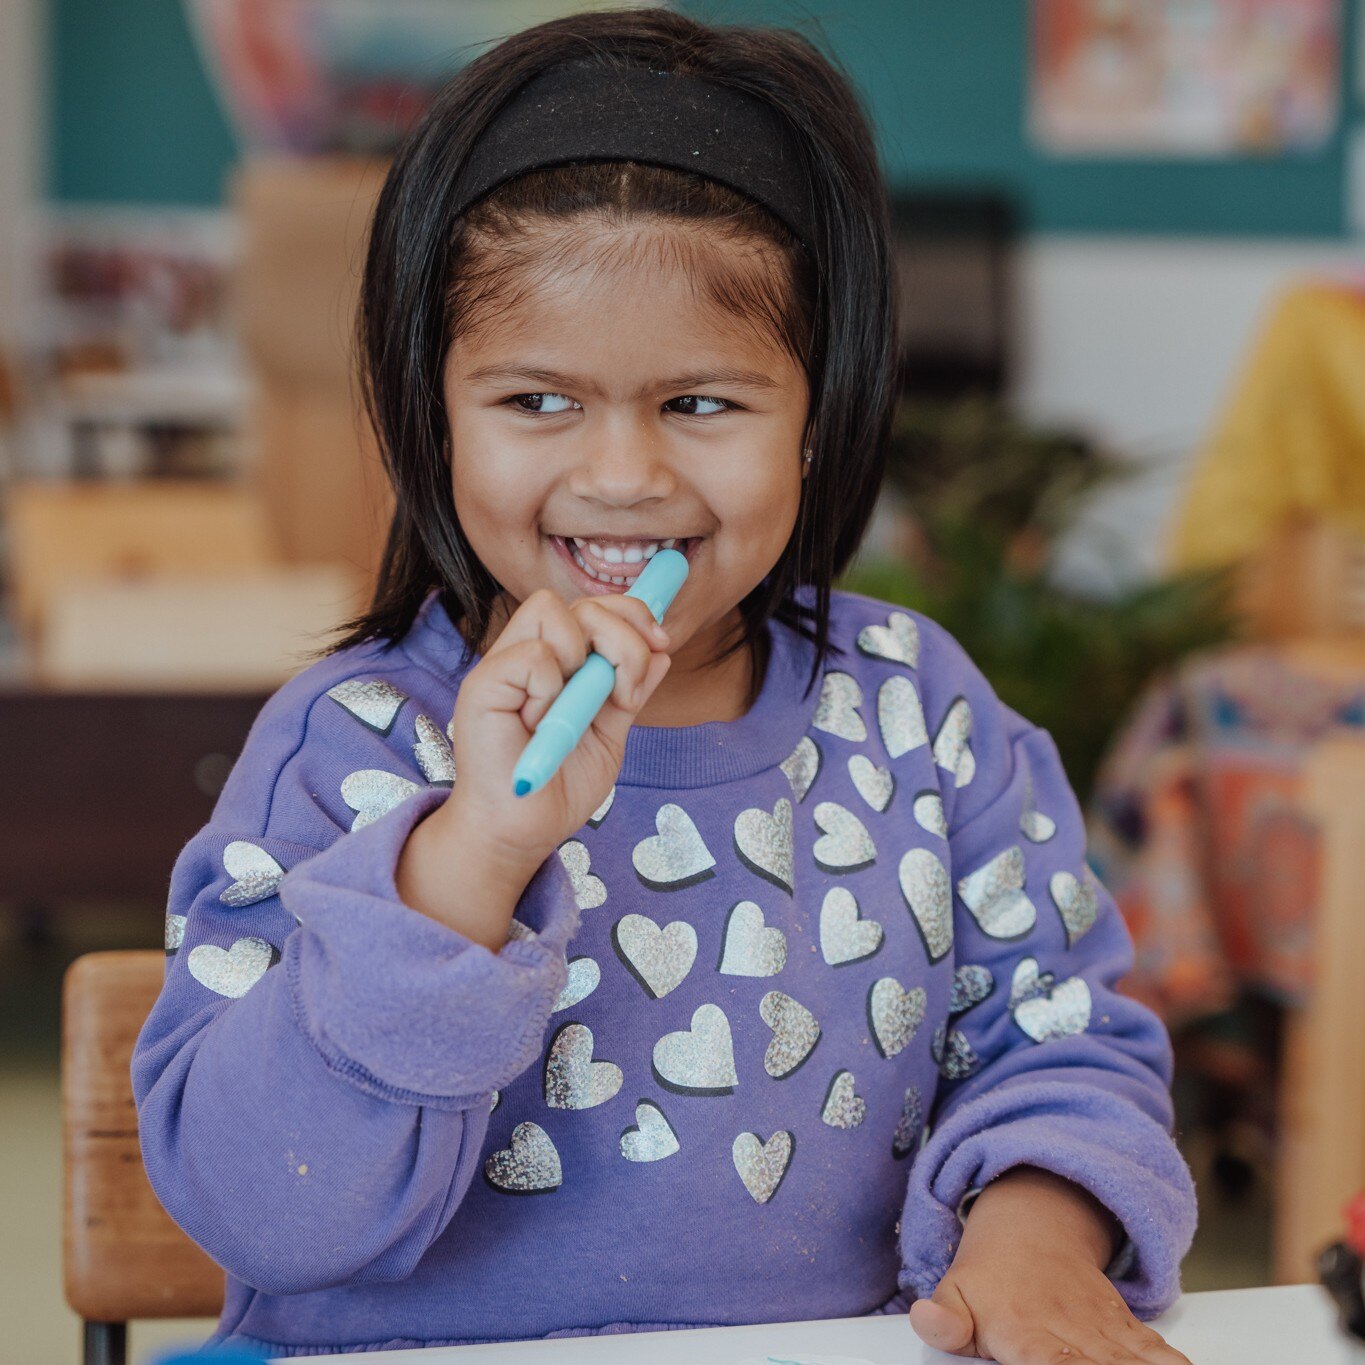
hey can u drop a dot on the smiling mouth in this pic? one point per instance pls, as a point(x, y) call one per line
point(618, 564)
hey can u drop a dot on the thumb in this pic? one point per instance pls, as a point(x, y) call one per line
point(945, 1322)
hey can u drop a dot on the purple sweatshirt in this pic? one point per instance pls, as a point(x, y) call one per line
point(803, 983)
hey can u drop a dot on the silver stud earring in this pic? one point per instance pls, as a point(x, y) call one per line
point(808, 456)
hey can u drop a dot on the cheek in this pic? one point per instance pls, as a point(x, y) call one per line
point(497, 499)
point(761, 496)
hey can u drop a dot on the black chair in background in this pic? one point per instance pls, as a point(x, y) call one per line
point(955, 254)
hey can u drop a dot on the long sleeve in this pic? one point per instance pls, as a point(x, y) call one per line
point(314, 1082)
point(1043, 1062)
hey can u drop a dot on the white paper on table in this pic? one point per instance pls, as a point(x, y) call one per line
point(804, 1359)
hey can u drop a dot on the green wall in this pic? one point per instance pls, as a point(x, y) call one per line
point(132, 116)
point(133, 119)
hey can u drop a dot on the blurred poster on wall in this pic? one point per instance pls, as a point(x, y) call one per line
point(348, 76)
point(1184, 78)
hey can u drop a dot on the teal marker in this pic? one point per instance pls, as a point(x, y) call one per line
point(570, 714)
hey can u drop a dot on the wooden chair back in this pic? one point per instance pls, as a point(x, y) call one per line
point(123, 1257)
point(1320, 1157)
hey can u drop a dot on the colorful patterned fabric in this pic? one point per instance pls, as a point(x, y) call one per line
point(1197, 829)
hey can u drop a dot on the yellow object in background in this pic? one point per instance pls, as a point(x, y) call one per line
point(1290, 444)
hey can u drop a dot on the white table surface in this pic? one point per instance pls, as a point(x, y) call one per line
point(1286, 1325)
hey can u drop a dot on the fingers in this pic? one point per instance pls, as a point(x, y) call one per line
point(527, 679)
point(1141, 1342)
point(545, 616)
point(1068, 1346)
point(945, 1322)
point(1063, 1337)
point(620, 628)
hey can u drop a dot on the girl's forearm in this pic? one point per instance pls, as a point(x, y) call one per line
point(1028, 1202)
point(450, 873)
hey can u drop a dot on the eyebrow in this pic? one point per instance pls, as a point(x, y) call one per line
point(748, 379)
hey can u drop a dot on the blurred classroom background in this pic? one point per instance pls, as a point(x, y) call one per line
point(1128, 472)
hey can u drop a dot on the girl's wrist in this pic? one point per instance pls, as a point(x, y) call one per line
point(450, 871)
point(466, 828)
point(1026, 1202)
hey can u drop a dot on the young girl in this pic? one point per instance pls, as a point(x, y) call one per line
point(790, 996)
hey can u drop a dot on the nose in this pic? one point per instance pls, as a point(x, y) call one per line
point(622, 468)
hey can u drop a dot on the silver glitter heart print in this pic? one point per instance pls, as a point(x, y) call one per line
point(795, 1033)
point(928, 810)
point(872, 782)
point(1036, 827)
point(764, 842)
point(1029, 982)
point(844, 844)
point(953, 743)
point(802, 767)
point(652, 1138)
point(372, 793)
point(572, 1079)
point(677, 856)
point(909, 1126)
point(600, 814)
point(699, 1060)
point(589, 890)
point(900, 717)
point(256, 875)
point(837, 710)
point(232, 971)
point(762, 1165)
point(529, 1166)
point(175, 933)
point(750, 947)
point(659, 959)
point(1056, 1011)
point(583, 978)
point(972, 984)
point(894, 1014)
point(374, 703)
point(952, 1054)
point(1077, 902)
point(928, 895)
point(994, 893)
point(844, 936)
point(897, 641)
point(843, 1108)
point(433, 753)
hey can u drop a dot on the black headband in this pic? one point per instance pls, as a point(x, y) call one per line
point(588, 111)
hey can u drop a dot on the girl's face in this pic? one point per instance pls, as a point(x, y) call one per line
point(607, 407)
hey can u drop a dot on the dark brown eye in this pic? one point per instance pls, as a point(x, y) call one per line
point(691, 400)
point(535, 402)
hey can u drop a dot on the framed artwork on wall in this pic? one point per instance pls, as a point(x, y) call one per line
point(1184, 78)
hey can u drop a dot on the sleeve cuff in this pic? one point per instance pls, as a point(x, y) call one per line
point(1094, 1138)
point(401, 1005)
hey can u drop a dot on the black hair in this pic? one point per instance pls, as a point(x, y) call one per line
point(835, 310)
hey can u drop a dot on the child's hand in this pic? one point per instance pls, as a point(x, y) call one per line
point(504, 696)
point(1026, 1287)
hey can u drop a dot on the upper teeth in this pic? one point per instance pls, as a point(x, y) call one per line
point(631, 553)
point(625, 554)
